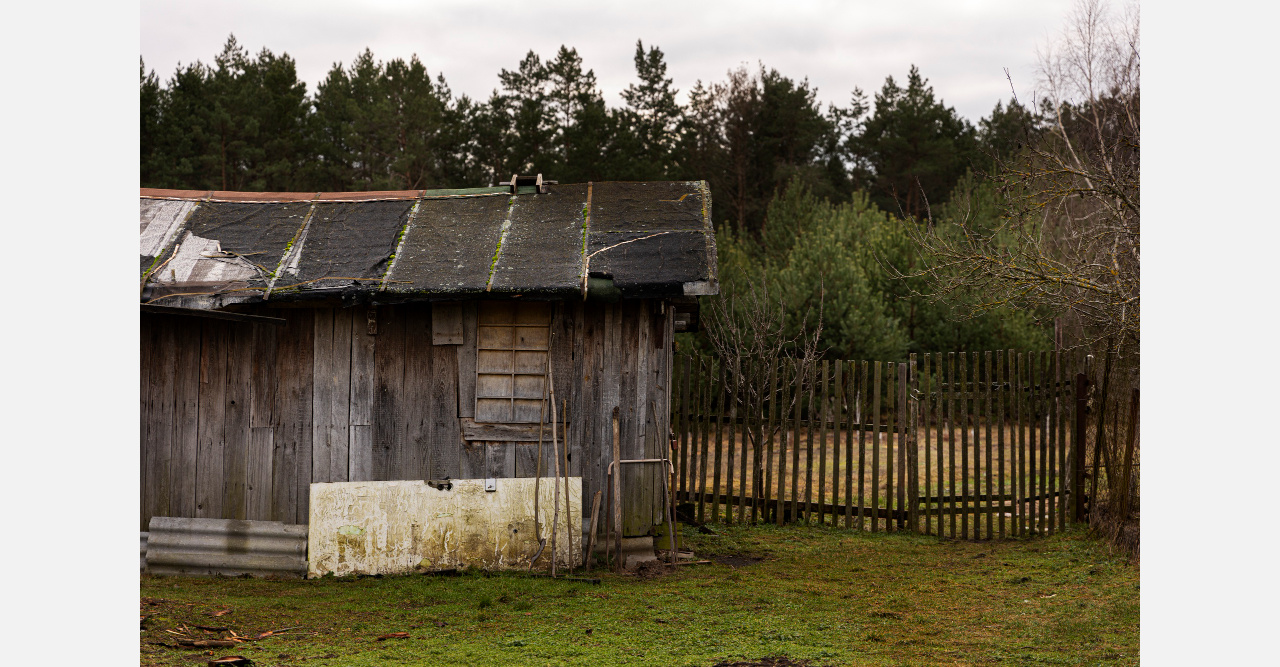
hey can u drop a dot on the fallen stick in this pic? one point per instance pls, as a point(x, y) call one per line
point(206, 643)
point(273, 633)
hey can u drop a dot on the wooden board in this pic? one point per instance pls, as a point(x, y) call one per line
point(823, 416)
point(446, 323)
point(258, 482)
point(718, 410)
point(467, 362)
point(145, 398)
point(707, 372)
point(890, 431)
point(798, 400)
point(291, 477)
point(1051, 459)
point(731, 414)
point(412, 456)
point(1044, 511)
point(786, 391)
point(926, 423)
point(164, 430)
point(744, 454)
point(851, 418)
point(240, 353)
point(912, 463)
point(182, 470)
point(445, 439)
point(951, 437)
point(771, 421)
point(965, 425)
point(339, 418)
point(838, 418)
point(388, 399)
point(863, 410)
point(1016, 442)
point(684, 370)
point(875, 442)
point(988, 510)
point(1002, 380)
point(213, 387)
point(362, 398)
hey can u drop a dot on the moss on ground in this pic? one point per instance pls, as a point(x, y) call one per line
point(820, 594)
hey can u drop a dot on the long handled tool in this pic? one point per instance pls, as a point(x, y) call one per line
point(568, 501)
point(555, 453)
point(537, 477)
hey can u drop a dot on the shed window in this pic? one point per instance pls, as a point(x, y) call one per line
point(512, 343)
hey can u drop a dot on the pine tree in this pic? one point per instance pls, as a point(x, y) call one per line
point(648, 122)
point(915, 147)
point(152, 164)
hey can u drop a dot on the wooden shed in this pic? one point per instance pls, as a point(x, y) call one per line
point(291, 338)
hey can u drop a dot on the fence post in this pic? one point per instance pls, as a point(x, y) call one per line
point(1128, 456)
point(1099, 437)
point(1079, 441)
point(913, 459)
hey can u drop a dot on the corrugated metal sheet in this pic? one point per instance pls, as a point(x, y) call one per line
point(208, 249)
point(207, 547)
point(408, 526)
point(142, 553)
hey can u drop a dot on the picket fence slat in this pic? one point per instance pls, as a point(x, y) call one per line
point(1000, 428)
point(926, 423)
point(875, 444)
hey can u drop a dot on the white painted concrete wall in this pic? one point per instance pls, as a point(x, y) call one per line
point(407, 526)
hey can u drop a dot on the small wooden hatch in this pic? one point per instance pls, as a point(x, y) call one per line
point(512, 345)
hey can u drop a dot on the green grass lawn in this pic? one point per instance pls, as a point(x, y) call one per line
point(829, 596)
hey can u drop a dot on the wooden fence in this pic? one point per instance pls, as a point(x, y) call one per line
point(970, 445)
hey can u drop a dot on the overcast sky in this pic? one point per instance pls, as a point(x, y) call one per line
point(961, 46)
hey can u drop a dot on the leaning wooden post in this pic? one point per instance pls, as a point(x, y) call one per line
point(564, 463)
point(617, 494)
point(1128, 455)
point(555, 455)
point(1078, 442)
point(591, 540)
point(1099, 438)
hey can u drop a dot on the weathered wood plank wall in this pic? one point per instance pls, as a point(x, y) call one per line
point(237, 419)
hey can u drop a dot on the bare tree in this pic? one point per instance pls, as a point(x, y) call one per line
point(747, 329)
point(1069, 239)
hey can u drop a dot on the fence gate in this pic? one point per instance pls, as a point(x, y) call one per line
point(974, 445)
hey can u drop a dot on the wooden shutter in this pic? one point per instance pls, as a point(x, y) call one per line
point(512, 345)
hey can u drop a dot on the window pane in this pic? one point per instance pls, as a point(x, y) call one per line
point(529, 411)
point(496, 337)
point(529, 386)
point(531, 362)
point(492, 410)
point(493, 386)
point(496, 361)
point(531, 338)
